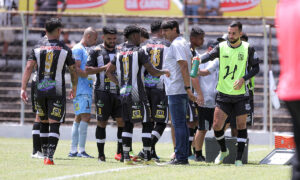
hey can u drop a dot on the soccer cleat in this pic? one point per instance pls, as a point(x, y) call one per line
point(101, 159)
point(178, 162)
point(200, 158)
point(84, 155)
point(133, 156)
point(191, 157)
point(48, 161)
point(118, 156)
point(128, 162)
point(222, 155)
point(73, 154)
point(150, 162)
point(154, 156)
point(141, 155)
point(38, 155)
point(238, 163)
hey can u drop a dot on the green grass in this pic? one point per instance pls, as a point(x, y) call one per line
point(16, 163)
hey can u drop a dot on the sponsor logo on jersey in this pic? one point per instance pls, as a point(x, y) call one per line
point(46, 84)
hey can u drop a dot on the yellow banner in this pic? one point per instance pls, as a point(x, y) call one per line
point(124, 7)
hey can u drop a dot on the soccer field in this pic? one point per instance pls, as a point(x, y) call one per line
point(16, 163)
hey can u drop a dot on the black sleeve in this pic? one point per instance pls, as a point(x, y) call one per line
point(209, 56)
point(14, 5)
point(254, 70)
point(252, 57)
point(253, 64)
point(31, 56)
point(92, 59)
point(70, 61)
point(143, 57)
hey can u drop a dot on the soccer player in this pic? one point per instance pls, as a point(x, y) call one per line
point(129, 64)
point(51, 57)
point(206, 110)
point(238, 63)
point(107, 98)
point(196, 41)
point(156, 47)
point(83, 101)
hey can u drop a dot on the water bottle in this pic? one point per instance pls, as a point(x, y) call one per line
point(195, 66)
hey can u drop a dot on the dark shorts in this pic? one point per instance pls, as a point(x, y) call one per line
point(232, 118)
point(136, 112)
point(192, 114)
point(206, 117)
point(107, 104)
point(158, 104)
point(33, 96)
point(51, 108)
point(233, 105)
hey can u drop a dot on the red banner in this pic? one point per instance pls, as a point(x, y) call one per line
point(142, 5)
point(238, 5)
point(83, 4)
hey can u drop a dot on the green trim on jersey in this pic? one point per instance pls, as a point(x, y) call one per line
point(233, 62)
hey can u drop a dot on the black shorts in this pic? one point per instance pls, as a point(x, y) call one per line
point(192, 114)
point(233, 105)
point(51, 108)
point(33, 96)
point(158, 104)
point(206, 118)
point(136, 112)
point(107, 104)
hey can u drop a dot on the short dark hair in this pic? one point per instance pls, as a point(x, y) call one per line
point(196, 31)
point(109, 30)
point(236, 24)
point(155, 26)
point(144, 33)
point(52, 24)
point(170, 24)
point(130, 29)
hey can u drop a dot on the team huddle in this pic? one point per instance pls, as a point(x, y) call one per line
point(145, 79)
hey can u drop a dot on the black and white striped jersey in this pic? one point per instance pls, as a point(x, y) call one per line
point(99, 56)
point(156, 49)
point(51, 56)
point(129, 62)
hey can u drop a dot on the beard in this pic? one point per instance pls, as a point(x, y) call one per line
point(233, 41)
point(109, 45)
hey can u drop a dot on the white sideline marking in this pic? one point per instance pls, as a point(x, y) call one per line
point(258, 149)
point(94, 172)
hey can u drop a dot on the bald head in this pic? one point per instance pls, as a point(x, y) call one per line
point(90, 36)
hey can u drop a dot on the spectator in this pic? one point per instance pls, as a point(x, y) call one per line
point(46, 5)
point(6, 36)
point(192, 7)
point(212, 8)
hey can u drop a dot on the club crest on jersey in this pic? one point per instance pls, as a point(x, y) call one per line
point(56, 112)
point(46, 84)
point(240, 56)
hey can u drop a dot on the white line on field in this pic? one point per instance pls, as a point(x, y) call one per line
point(258, 149)
point(94, 172)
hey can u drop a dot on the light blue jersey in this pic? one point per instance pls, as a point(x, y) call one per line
point(85, 85)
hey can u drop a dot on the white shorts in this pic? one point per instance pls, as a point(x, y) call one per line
point(7, 36)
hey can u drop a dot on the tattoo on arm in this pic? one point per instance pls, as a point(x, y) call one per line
point(26, 76)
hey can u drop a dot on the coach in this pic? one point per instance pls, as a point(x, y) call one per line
point(177, 86)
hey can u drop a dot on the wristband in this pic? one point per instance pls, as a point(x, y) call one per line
point(187, 87)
